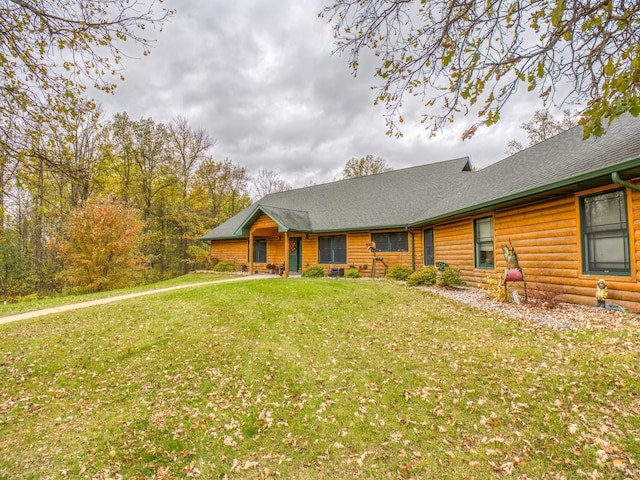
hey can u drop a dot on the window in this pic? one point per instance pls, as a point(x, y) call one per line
point(260, 251)
point(484, 242)
point(605, 233)
point(391, 241)
point(332, 249)
point(428, 247)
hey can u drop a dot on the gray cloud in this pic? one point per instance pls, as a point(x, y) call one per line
point(260, 77)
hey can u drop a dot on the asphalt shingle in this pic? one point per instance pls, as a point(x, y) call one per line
point(417, 195)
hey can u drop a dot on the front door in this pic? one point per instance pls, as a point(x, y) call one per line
point(295, 257)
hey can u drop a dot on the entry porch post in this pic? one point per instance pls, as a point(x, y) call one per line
point(250, 252)
point(285, 274)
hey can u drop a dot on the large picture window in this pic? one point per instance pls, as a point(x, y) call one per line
point(332, 249)
point(429, 258)
point(605, 234)
point(260, 251)
point(391, 241)
point(483, 228)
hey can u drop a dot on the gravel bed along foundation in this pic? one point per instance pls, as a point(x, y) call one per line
point(561, 315)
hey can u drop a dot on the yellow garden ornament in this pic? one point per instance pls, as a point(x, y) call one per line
point(601, 293)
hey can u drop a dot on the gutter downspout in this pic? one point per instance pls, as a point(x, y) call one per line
point(615, 176)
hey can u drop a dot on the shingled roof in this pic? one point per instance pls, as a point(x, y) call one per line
point(437, 191)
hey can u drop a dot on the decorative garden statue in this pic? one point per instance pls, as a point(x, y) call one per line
point(372, 247)
point(511, 257)
point(601, 293)
point(513, 272)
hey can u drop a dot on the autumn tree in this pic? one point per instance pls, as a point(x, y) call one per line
point(268, 181)
point(541, 127)
point(189, 147)
point(119, 151)
point(16, 276)
point(54, 172)
point(8, 166)
point(84, 163)
point(226, 185)
point(51, 50)
point(459, 57)
point(99, 245)
point(151, 157)
point(160, 171)
point(143, 174)
point(155, 167)
point(368, 165)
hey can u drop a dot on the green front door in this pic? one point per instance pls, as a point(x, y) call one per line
point(295, 256)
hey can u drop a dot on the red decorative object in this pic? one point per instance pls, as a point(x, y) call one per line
point(514, 275)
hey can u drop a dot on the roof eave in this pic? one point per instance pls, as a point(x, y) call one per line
point(485, 206)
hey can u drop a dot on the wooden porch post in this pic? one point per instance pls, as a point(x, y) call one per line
point(250, 252)
point(285, 274)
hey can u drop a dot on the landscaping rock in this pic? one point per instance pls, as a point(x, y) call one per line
point(561, 316)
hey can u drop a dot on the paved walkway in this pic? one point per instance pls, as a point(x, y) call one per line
point(117, 298)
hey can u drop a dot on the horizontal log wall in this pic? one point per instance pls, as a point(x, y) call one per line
point(275, 249)
point(635, 208)
point(309, 247)
point(454, 244)
point(361, 257)
point(264, 222)
point(236, 251)
point(358, 255)
point(547, 239)
point(545, 236)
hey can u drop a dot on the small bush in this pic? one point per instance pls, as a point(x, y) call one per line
point(495, 289)
point(225, 266)
point(315, 271)
point(398, 272)
point(449, 277)
point(425, 277)
point(353, 273)
point(543, 295)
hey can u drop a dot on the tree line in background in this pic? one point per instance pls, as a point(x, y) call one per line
point(104, 206)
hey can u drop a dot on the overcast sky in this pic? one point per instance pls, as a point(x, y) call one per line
point(261, 78)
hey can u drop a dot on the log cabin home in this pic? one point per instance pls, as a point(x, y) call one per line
point(570, 207)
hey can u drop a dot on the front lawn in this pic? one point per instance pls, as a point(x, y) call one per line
point(36, 303)
point(313, 379)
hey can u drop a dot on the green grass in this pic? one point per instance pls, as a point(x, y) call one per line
point(40, 303)
point(313, 378)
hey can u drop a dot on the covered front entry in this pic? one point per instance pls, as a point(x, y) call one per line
point(295, 254)
point(275, 225)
